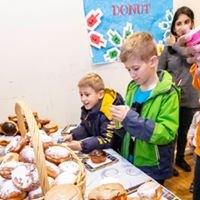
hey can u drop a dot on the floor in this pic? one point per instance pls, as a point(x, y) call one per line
point(180, 185)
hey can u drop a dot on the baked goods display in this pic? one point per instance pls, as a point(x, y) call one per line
point(150, 191)
point(111, 191)
point(98, 156)
point(10, 126)
point(64, 192)
point(19, 168)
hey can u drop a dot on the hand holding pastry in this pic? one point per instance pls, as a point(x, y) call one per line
point(119, 112)
point(75, 145)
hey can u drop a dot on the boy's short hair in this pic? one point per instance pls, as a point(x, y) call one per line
point(140, 44)
point(92, 80)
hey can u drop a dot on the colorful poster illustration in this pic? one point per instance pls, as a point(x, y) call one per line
point(109, 22)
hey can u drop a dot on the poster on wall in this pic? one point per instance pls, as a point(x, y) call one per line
point(110, 22)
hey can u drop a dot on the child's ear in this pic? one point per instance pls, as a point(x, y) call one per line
point(101, 94)
point(153, 61)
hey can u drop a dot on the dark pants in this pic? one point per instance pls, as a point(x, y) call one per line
point(185, 119)
point(196, 191)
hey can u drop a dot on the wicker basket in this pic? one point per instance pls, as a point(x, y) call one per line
point(22, 110)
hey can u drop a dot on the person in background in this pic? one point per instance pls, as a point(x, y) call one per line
point(151, 113)
point(94, 131)
point(173, 59)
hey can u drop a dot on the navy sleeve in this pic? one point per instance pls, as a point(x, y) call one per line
point(137, 126)
point(103, 141)
point(79, 132)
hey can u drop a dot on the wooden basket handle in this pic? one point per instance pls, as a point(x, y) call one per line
point(20, 109)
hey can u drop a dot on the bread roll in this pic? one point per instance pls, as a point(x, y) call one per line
point(111, 191)
point(64, 192)
point(150, 191)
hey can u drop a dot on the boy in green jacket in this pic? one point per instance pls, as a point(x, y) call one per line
point(150, 116)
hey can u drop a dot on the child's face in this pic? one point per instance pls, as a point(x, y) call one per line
point(183, 25)
point(89, 97)
point(141, 71)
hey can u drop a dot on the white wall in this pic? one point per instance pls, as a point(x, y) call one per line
point(43, 53)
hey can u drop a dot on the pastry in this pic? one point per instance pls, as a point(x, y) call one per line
point(5, 140)
point(35, 194)
point(16, 144)
point(111, 191)
point(27, 155)
point(25, 177)
point(50, 128)
point(64, 192)
point(9, 128)
point(10, 191)
point(98, 156)
point(150, 191)
point(43, 121)
point(52, 169)
point(7, 168)
point(57, 154)
point(13, 118)
point(65, 178)
point(69, 166)
point(10, 157)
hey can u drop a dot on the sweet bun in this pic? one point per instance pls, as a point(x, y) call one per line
point(57, 154)
point(43, 121)
point(27, 155)
point(98, 156)
point(64, 192)
point(13, 118)
point(16, 144)
point(65, 178)
point(7, 168)
point(50, 128)
point(150, 191)
point(111, 191)
point(52, 169)
point(69, 166)
point(25, 177)
point(9, 191)
point(9, 128)
point(35, 194)
point(10, 157)
point(5, 140)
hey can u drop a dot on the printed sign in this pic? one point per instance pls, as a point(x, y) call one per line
point(110, 22)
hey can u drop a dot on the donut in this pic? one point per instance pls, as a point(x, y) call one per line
point(64, 178)
point(57, 154)
point(9, 128)
point(52, 169)
point(69, 166)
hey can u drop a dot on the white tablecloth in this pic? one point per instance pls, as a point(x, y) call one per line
point(123, 172)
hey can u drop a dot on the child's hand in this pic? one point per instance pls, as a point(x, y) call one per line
point(65, 138)
point(119, 112)
point(74, 145)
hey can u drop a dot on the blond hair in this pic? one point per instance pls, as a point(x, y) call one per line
point(139, 44)
point(92, 80)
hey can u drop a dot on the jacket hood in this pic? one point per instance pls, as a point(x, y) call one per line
point(164, 84)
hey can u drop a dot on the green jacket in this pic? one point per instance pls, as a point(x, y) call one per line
point(156, 126)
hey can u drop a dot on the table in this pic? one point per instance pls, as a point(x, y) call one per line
point(123, 172)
